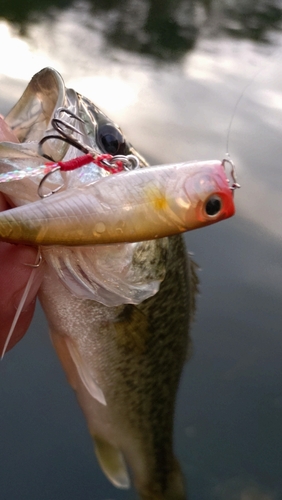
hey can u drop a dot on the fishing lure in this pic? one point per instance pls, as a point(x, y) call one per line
point(132, 206)
point(138, 205)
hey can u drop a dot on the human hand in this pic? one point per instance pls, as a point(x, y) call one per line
point(14, 275)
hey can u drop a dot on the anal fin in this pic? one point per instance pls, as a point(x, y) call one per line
point(112, 463)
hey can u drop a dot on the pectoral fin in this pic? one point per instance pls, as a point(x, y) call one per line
point(84, 373)
point(112, 463)
point(75, 366)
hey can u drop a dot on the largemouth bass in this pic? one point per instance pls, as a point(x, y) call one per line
point(119, 313)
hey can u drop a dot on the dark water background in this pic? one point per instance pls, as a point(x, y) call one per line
point(170, 73)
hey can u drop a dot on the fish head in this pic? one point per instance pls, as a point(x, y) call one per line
point(31, 136)
point(103, 135)
point(46, 98)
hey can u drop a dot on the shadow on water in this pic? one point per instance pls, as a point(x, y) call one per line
point(163, 29)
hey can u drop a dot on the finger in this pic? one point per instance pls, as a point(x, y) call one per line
point(3, 203)
point(14, 277)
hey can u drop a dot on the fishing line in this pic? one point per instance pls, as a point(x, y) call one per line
point(242, 94)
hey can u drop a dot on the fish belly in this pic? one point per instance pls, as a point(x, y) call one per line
point(124, 364)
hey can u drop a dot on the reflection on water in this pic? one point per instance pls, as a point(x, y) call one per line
point(228, 420)
point(164, 29)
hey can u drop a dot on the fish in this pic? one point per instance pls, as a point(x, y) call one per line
point(119, 311)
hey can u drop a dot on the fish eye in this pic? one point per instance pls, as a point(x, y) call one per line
point(213, 206)
point(111, 140)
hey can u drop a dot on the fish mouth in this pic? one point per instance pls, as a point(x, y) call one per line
point(31, 116)
point(55, 121)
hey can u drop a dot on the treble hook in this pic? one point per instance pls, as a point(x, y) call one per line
point(69, 140)
point(39, 260)
point(52, 191)
point(66, 131)
point(62, 109)
point(58, 123)
point(62, 128)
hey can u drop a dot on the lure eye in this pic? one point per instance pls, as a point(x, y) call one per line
point(213, 206)
point(111, 140)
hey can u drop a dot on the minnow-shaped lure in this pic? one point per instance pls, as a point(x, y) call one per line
point(133, 206)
